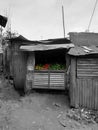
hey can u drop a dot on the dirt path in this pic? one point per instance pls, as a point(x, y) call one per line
point(37, 111)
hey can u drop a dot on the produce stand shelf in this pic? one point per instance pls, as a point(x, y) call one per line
point(52, 79)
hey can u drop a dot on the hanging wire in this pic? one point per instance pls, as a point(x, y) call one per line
point(92, 15)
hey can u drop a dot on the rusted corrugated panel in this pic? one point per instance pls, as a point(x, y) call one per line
point(88, 92)
point(83, 50)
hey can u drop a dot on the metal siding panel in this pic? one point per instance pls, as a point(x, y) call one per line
point(87, 67)
point(40, 80)
point(87, 83)
point(85, 91)
point(95, 85)
point(57, 80)
point(49, 80)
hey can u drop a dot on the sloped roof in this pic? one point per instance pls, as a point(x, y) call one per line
point(56, 41)
point(43, 47)
point(20, 38)
point(83, 50)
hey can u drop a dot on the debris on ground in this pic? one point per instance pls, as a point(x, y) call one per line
point(78, 118)
point(69, 123)
point(83, 115)
point(56, 104)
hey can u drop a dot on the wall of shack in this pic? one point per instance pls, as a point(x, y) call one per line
point(84, 82)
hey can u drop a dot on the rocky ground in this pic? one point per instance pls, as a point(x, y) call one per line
point(41, 111)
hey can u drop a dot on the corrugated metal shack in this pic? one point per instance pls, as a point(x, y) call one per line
point(25, 55)
point(53, 51)
point(80, 57)
point(84, 70)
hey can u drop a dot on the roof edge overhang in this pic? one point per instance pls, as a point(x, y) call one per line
point(43, 47)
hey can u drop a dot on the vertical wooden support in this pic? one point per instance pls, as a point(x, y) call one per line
point(11, 60)
point(73, 84)
point(30, 70)
point(68, 60)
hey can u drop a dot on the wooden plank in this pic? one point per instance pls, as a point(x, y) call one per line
point(93, 94)
point(95, 85)
point(73, 83)
point(86, 61)
point(84, 93)
point(92, 74)
point(79, 66)
point(88, 93)
point(68, 60)
point(79, 89)
point(87, 69)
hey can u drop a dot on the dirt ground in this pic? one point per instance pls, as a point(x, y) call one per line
point(36, 111)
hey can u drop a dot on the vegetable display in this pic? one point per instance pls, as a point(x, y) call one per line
point(50, 67)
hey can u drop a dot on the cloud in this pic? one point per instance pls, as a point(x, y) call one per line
point(43, 18)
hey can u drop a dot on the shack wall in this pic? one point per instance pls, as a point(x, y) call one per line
point(84, 82)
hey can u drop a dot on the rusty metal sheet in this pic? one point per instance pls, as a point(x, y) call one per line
point(83, 50)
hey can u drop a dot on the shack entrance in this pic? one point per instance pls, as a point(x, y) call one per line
point(44, 65)
point(50, 69)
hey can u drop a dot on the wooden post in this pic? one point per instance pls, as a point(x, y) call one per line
point(67, 70)
point(73, 84)
point(68, 60)
point(30, 70)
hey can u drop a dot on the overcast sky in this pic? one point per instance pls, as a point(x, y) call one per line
point(42, 19)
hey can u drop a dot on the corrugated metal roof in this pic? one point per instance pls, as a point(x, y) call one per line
point(42, 47)
point(56, 41)
point(24, 40)
point(83, 50)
